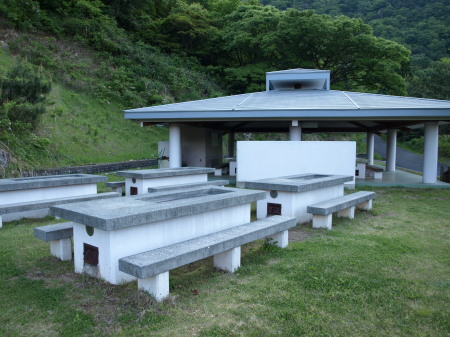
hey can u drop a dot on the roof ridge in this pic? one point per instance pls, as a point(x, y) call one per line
point(251, 94)
point(354, 103)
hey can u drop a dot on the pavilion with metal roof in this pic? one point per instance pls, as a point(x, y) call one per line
point(300, 101)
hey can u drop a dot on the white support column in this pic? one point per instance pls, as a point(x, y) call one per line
point(174, 146)
point(280, 239)
point(295, 131)
point(231, 144)
point(391, 150)
point(430, 155)
point(62, 249)
point(229, 260)
point(157, 286)
point(370, 147)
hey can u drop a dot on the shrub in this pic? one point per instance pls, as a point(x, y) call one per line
point(23, 93)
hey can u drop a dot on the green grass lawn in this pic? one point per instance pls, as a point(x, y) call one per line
point(384, 273)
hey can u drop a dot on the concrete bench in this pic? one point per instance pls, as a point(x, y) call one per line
point(40, 209)
point(375, 171)
point(345, 206)
point(152, 267)
point(59, 236)
point(116, 186)
point(191, 185)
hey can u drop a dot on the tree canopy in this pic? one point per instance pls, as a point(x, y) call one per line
point(235, 41)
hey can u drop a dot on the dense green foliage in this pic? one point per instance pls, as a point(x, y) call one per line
point(432, 81)
point(421, 25)
point(237, 41)
point(22, 95)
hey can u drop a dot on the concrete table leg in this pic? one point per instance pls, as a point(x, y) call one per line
point(62, 249)
point(281, 239)
point(322, 221)
point(347, 213)
point(229, 260)
point(157, 285)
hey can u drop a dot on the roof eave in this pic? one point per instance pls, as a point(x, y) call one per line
point(354, 114)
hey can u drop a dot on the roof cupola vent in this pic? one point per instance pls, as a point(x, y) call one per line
point(298, 79)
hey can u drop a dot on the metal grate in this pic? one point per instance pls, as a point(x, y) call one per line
point(90, 255)
point(273, 209)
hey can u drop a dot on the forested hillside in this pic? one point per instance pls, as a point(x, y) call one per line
point(68, 67)
point(421, 25)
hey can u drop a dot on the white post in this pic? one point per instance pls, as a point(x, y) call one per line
point(157, 285)
point(280, 239)
point(430, 155)
point(370, 147)
point(295, 131)
point(62, 249)
point(231, 144)
point(391, 150)
point(174, 146)
point(229, 260)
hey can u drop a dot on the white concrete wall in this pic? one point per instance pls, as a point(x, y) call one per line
point(260, 160)
point(144, 184)
point(113, 245)
point(296, 204)
point(38, 194)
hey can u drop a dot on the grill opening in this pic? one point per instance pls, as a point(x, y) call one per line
point(90, 254)
point(273, 209)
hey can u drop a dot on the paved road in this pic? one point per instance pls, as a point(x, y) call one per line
point(405, 159)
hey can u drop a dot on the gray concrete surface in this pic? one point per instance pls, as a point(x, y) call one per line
point(297, 183)
point(160, 260)
point(14, 184)
point(54, 232)
point(191, 185)
point(337, 204)
point(43, 204)
point(130, 211)
point(167, 172)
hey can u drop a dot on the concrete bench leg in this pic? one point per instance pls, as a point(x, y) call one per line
point(322, 221)
point(157, 285)
point(229, 260)
point(366, 205)
point(117, 190)
point(280, 239)
point(62, 249)
point(378, 175)
point(347, 213)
